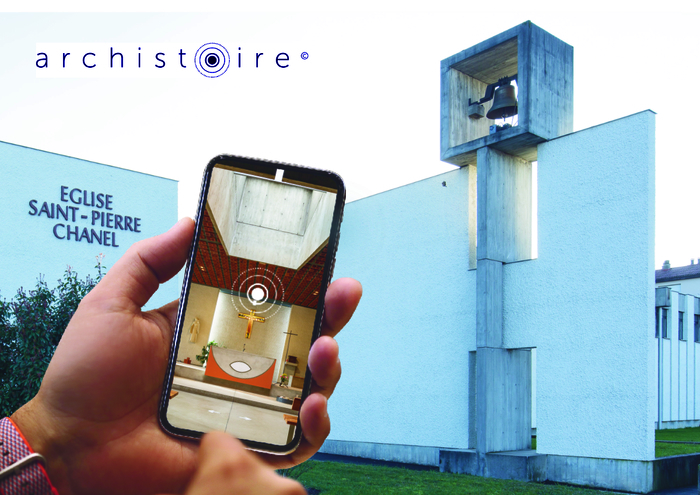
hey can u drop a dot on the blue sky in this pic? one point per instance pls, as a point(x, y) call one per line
point(366, 101)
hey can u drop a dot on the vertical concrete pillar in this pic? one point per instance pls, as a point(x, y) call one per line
point(504, 392)
point(489, 304)
point(663, 300)
point(503, 376)
point(504, 207)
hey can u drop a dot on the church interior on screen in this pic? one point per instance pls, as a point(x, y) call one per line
point(255, 288)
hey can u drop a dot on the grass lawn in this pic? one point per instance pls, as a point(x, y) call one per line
point(677, 435)
point(335, 478)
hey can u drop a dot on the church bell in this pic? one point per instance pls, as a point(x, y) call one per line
point(504, 103)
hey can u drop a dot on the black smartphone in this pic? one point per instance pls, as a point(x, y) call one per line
point(252, 301)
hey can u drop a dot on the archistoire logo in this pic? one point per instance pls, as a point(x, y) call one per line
point(212, 60)
point(128, 60)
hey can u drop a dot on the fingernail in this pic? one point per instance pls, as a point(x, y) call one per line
point(180, 222)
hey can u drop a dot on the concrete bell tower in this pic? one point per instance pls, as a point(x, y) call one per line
point(542, 67)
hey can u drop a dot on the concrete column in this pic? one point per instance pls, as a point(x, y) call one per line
point(504, 207)
point(489, 304)
point(503, 376)
point(504, 392)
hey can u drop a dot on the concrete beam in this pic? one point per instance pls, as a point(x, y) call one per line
point(282, 224)
point(526, 465)
point(504, 207)
point(613, 474)
point(504, 395)
point(663, 297)
point(489, 303)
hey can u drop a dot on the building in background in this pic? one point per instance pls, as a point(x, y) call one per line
point(683, 279)
point(60, 212)
point(678, 353)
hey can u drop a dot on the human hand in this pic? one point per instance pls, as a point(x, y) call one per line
point(95, 416)
point(226, 467)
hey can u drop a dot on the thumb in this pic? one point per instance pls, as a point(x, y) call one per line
point(146, 265)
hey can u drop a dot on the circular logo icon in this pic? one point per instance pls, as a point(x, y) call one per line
point(212, 60)
point(258, 287)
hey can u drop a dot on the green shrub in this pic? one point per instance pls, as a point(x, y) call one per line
point(31, 325)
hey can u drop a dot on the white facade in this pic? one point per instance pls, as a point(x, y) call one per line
point(406, 352)
point(586, 304)
point(59, 211)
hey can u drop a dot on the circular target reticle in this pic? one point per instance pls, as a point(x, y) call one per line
point(257, 293)
point(212, 60)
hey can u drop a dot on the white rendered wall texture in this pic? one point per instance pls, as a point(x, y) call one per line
point(405, 352)
point(219, 321)
point(587, 302)
point(201, 305)
point(35, 242)
point(301, 323)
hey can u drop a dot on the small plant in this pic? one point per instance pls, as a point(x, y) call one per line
point(202, 358)
point(284, 379)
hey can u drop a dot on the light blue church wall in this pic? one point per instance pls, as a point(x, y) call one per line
point(103, 210)
point(587, 302)
point(405, 352)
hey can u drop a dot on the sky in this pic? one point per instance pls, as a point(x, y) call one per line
point(363, 103)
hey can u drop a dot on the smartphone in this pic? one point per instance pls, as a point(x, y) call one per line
point(252, 301)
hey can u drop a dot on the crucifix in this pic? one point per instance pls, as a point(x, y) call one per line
point(286, 356)
point(286, 353)
point(251, 319)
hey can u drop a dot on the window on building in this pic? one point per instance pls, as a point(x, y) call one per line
point(664, 323)
point(681, 326)
point(697, 328)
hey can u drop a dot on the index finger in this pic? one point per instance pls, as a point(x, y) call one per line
point(342, 298)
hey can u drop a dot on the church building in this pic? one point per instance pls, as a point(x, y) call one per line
point(60, 212)
point(494, 338)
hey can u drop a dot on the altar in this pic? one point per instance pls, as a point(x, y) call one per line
point(240, 367)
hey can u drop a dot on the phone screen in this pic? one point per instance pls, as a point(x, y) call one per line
point(251, 305)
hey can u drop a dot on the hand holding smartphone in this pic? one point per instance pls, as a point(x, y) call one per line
point(252, 301)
